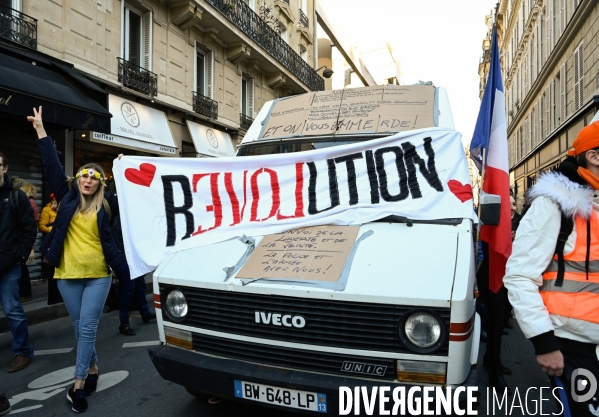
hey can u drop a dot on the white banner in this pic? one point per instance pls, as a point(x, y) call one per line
point(171, 204)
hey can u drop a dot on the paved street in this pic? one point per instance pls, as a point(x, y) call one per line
point(129, 384)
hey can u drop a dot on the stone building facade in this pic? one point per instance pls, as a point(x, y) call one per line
point(550, 66)
point(182, 78)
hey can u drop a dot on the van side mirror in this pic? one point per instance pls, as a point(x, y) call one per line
point(490, 209)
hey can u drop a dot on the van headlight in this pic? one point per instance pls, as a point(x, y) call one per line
point(422, 331)
point(176, 305)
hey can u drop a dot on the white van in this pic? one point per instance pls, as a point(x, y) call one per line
point(406, 316)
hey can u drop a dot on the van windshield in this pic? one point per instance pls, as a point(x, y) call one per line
point(290, 146)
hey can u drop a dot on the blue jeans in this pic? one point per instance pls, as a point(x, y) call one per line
point(13, 310)
point(84, 299)
point(129, 288)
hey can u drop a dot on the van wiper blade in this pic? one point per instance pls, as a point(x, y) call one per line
point(410, 222)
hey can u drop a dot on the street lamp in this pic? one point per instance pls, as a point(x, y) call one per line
point(327, 73)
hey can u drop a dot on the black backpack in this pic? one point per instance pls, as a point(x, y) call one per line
point(568, 168)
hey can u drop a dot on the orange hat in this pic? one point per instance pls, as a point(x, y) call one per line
point(587, 139)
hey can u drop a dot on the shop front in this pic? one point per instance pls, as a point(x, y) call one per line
point(69, 101)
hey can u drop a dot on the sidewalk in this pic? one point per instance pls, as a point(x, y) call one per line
point(38, 311)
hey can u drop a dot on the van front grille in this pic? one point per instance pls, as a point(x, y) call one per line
point(349, 325)
point(321, 362)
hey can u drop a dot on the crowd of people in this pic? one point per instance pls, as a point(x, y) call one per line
point(82, 249)
point(551, 280)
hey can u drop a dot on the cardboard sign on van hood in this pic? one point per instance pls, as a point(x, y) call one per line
point(377, 109)
point(169, 204)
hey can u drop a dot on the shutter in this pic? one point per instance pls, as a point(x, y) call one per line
point(536, 121)
point(578, 78)
point(554, 98)
point(576, 72)
point(209, 67)
point(547, 111)
point(562, 93)
point(540, 45)
point(531, 130)
point(124, 29)
point(17, 5)
point(25, 162)
point(250, 97)
point(146, 59)
point(547, 35)
point(562, 15)
point(519, 141)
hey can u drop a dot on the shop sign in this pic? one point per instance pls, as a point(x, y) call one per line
point(147, 127)
point(5, 100)
point(131, 143)
point(209, 141)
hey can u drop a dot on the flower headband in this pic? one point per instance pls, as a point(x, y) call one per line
point(89, 171)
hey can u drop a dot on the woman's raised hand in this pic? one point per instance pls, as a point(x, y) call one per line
point(36, 121)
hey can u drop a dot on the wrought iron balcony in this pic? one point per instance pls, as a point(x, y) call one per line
point(18, 27)
point(205, 106)
point(304, 19)
point(256, 28)
point(137, 78)
point(245, 121)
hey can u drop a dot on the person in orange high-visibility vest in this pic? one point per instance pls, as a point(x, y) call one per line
point(552, 276)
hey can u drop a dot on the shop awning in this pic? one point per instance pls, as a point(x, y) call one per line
point(136, 126)
point(24, 85)
point(209, 141)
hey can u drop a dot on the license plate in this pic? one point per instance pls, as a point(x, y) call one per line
point(281, 396)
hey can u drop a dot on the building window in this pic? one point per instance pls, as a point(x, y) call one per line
point(578, 77)
point(204, 70)
point(303, 52)
point(13, 4)
point(562, 94)
point(250, 3)
point(283, 30)
point(247, 96)
point(137, 37)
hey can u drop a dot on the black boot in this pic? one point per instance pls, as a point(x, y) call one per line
point(497, 382)
point(125, 329)
point(146, 319)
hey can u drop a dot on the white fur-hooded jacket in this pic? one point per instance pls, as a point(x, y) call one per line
point(532, 251)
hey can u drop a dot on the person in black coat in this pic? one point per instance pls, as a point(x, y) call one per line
point(17, 236)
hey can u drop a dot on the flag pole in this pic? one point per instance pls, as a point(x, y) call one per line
point(480, 190)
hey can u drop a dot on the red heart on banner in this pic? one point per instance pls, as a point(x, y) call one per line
point(142, 176)
point(462, 191)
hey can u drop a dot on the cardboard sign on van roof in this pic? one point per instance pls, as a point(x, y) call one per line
point(377, 109)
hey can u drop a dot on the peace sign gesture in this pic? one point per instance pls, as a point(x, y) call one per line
point(36, 121)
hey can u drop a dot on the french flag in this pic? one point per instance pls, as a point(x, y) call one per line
point(490, 133)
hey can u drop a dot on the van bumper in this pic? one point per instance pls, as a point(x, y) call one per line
point(215, 376)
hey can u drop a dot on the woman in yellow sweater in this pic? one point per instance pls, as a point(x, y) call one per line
point(82, 247)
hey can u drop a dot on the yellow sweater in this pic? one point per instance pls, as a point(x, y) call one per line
point(82, 255)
